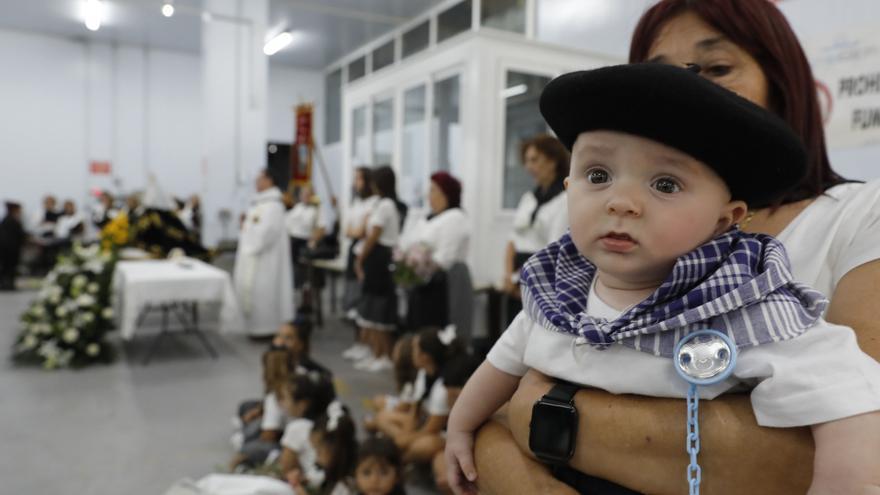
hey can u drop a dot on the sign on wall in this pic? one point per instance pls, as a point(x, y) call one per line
point(847, 72)
point(98, 167)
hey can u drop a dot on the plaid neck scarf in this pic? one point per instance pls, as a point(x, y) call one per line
point(737, 283)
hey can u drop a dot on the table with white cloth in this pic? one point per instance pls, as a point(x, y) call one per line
point(175, 287)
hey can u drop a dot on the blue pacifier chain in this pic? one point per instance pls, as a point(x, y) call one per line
point(704, 357)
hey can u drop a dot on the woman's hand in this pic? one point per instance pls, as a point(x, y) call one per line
point(461, 473)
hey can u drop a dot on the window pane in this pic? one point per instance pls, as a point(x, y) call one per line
point(522, 120)
point(416, 39)
point(383, 56)
point(414, 172)
point(359, 136)
point(383, 131)
point(333, 107)
point(357, 69)
point(446, 129)
point(509, 15)
point(454, 20)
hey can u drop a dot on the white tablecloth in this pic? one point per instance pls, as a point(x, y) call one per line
point(154, 282)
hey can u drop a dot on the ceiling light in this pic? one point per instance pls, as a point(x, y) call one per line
point(94, 11)
point(277, 43)
point(514, 91)
point(168, 9)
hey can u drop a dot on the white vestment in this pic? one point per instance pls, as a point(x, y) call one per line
point(263, 274)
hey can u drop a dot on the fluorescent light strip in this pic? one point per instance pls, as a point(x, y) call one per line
point(513, 91)
point(277, 43)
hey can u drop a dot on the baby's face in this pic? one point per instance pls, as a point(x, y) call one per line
point(635, 205)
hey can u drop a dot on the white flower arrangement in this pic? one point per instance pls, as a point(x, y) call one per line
point(67, 323)
point(70, 335)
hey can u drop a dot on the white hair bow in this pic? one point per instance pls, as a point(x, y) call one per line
point(334, 412)
point(447, 335)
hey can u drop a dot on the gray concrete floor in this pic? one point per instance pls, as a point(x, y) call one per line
point(127, 428)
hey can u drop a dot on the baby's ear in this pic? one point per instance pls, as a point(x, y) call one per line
point(565, 183)
point(734, 212)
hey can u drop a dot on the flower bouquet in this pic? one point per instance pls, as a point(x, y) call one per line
point(66, 325)
point(414, 266)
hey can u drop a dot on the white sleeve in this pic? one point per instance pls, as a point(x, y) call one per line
point(296, 435)
point(341, 489)
point(437, 405)
point(864, 245)
point(453, 233)
point(273, 416)
point(816, 377)
point(508, 353)
point(380, 216)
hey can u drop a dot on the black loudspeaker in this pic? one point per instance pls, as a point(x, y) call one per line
point(278, 163)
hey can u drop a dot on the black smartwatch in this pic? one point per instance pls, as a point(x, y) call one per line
point(553, 430)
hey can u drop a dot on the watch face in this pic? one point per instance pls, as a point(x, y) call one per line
point(553, 430)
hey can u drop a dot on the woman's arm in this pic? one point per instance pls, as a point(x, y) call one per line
point(639, 442)
point(854, 304)
point(369, 243)
point(505, 470)
point(509, 253)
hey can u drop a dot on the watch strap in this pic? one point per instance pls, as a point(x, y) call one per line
point(562, 392)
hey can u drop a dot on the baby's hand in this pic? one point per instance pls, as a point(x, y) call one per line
point(460, 470)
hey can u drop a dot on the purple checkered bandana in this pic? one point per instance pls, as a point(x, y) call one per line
point(739, 284)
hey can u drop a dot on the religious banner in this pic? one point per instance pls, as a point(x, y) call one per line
point(301, 154)
point(847, 72)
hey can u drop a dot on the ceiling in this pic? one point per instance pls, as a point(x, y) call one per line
point(324, 30)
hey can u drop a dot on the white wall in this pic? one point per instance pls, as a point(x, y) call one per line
point(67, 102)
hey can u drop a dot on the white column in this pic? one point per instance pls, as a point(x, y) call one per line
point(234, 75)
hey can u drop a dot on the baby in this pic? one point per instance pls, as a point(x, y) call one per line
point(663, 166)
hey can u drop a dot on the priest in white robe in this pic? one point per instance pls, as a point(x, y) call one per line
point(263, 274)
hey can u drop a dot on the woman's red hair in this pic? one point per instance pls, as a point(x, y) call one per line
point(760, 29)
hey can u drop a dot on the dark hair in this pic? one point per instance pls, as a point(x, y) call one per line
point(430, 344)
point(303, 328)
point(367, 176)
point(277, 366)
point(759, 28)
point(404, 370)
point(459, 369)
point(386, 451)
point(384, 182)
point(550, 147)
point(315, 387)
point(342, 442)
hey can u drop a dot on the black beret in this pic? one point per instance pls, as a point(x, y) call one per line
point(755, 152)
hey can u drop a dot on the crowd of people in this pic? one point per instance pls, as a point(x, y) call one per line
point(30, 244)
point(301, 433)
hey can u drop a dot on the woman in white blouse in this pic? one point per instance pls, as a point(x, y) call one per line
point(362, 203)
point(377, 308)
point(541, 216)
point(446, 232)
point(302, 226)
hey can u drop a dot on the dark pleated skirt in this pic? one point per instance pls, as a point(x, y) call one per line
point(377, 307)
